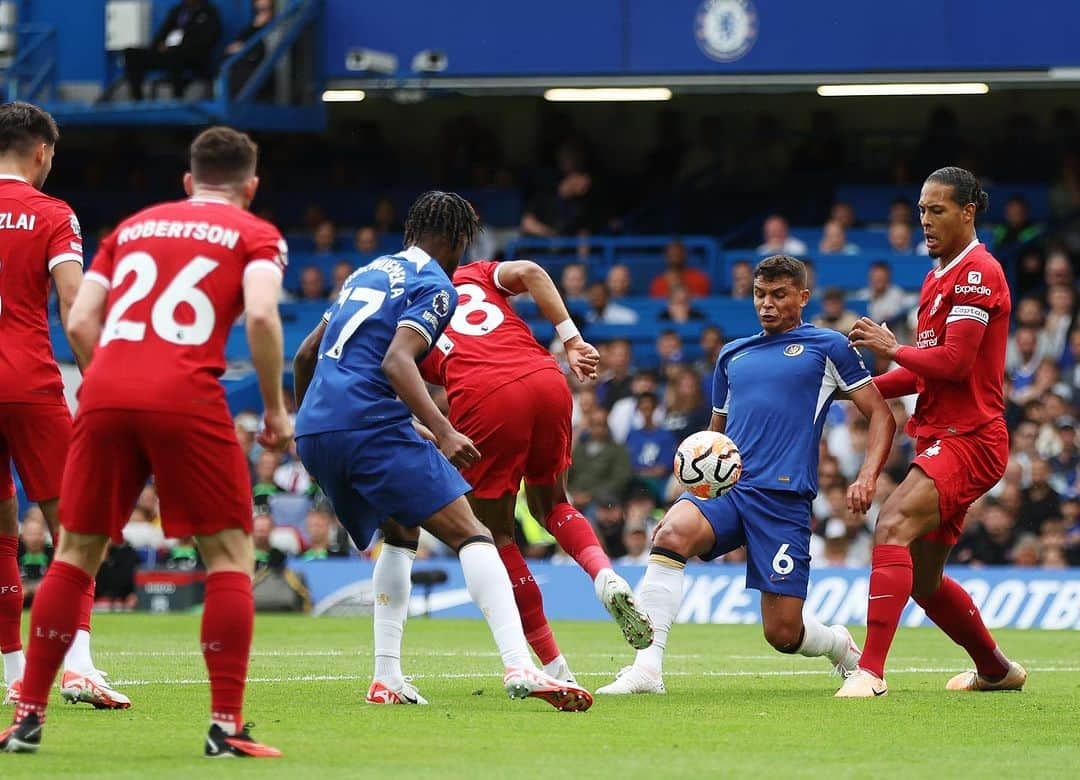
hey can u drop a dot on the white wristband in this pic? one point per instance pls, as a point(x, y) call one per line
point(567, 330)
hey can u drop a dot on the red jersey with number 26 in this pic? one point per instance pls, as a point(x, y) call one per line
point(486, 345)
point(37, 233)
point(971, 287)
point(175, 275)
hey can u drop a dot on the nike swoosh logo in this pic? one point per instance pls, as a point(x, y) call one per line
point(213, 748)
point(886, 596)
point(879, 693)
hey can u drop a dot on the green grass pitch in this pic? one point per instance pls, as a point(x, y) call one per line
point(734, 708)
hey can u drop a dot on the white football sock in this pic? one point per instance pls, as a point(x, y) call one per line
point(489, 587)
point(660, 594)
point(78, 658)
point(818, 639)
point(392, 585)
point(14, 665)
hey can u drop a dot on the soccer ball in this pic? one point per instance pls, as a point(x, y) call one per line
point(708, 464)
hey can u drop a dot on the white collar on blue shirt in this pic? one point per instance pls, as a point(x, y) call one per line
point(415, 254)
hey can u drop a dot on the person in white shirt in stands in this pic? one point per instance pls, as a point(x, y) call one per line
point(603, 310)
point(777, 239)
point(887, 301)
point(834, 240)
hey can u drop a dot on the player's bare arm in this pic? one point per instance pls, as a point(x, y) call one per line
point(85, 319)
point(953, 360)
point(519, 276)
point(869, 402)
point(67, 277)
point(400, 368)
point(718, 422)
point(305, 360)
point(262, 287)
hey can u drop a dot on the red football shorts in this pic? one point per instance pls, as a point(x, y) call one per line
point(522, 429)
point(199, 470)
point(36, 437)
point(963, 469)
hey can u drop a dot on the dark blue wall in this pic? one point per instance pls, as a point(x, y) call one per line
point(566, 37)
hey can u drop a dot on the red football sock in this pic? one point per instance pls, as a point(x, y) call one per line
point(227, 624)
point(54, 620)
point(952, 609)
point(530, 604)
point(87, 607)
point(890, 587)
point(11, 595)
point(576, 536)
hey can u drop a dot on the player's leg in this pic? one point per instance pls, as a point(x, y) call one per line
point(497, 514)
point(209, 497)
point(951, 608)
point(910, 512)
point(11, 594)
point(548, 458)
point(789, 629)
point(392, 586)
point(489, 587)
point(690, 528)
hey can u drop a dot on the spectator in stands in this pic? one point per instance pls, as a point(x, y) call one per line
point(989, 540)
point(678, 307)
point(323, 237)
point(292, 477)
point(601, 467)
point(1053, 543)
point(183, 44)
point(1063, 465)
point(261, 530)
point(1060, 317)
point(312, 284)
point(114, 588)
point(573, 281)
point(385, 217)
point(603, 310)
point(624, 416)
point(619, 281)
point(1022, 357)
point(710, 343)
point(636, 542)
point(844, 213)
point(742, 279)
point(1038, 500)
point(777, 239)
point(484, 245)
point(35, 553)
point(900, 211)
point(900, 239)
point(366, 241)
point(321, 526)
point(1026, 551)
point(834, 314)
point(265, 466)
point(141, 532)
point(616, 359)
point(834, 240)
point(262, 13)
point(573, 207)
point(888, 302)
point(610, 524)
point(1016, 233)
point(183, 556)
point(669, 348)
point(676, 274)
point(685, 410)
point(651, 447)
point(1058, 270)
point(339, 273)
point(584, 402)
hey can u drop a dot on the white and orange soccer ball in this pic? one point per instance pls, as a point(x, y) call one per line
point(708, 464)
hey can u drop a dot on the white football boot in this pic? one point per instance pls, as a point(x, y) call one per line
point(406, 693)
point(617, 597)
point(634, 679)
point(861, 684)
point(845, 657)
point(523, 682)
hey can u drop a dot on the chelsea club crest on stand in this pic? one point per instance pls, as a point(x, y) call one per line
point(726, 29)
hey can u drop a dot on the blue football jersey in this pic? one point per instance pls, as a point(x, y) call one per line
point(408, 289)
point(775, 391)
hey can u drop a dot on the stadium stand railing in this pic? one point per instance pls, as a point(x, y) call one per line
point(31, 75)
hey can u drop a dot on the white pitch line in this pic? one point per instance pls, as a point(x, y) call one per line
point(362, 652)
point(492, 675)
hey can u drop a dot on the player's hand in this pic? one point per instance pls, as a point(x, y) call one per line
point(583, 359)
point(867, 334)
point(425, 432)
point(860, 494)
point(459, 449)
point(277, 430)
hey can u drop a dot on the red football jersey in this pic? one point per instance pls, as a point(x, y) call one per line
point(175, 274)
point(486, 345)
point(971, 287)
point(37, 233)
